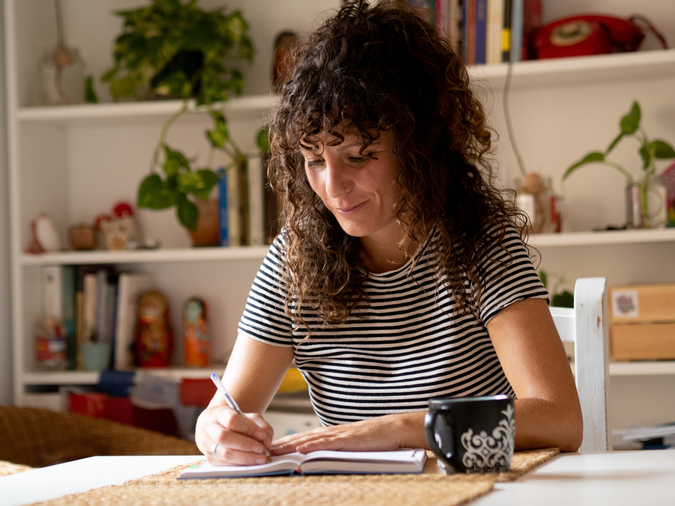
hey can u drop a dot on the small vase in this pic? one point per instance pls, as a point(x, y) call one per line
point(535, 197)
point(207, 231)
point(646, 203)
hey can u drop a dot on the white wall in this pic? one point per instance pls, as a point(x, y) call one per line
point(5, 327)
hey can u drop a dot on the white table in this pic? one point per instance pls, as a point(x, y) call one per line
point(643, 478)
point(616, 478)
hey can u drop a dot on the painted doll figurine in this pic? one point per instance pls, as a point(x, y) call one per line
point(154, 338)
point(197, 341)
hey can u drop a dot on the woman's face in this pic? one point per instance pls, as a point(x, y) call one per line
point(360, 192)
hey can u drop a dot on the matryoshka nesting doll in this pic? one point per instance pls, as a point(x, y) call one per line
point(197, 341)
point(154, 338)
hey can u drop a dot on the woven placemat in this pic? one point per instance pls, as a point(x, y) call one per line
point(344, 490)
point(7, 468)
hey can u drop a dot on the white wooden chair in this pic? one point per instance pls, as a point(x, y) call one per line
point(586, 326)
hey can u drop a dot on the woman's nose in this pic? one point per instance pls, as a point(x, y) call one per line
point(336, 179)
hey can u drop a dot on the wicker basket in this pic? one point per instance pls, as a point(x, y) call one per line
point(40, 437)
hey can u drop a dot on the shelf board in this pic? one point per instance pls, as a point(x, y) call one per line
point(161, 109)
point(603, 237)
point(642, 368)
point(92, 377)
point(654, 368)
point(555, 72)
point(145, 256)
point(579, 70)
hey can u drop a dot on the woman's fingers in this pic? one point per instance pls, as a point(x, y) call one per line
point(367, 435)
point(233, 439)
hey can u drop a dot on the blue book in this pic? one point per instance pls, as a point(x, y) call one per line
point(480, 32)
point(223, 211)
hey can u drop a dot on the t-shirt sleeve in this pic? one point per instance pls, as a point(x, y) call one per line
point(264, 318)
point(509, 276)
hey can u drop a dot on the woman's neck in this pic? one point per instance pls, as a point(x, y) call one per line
point(385, 255)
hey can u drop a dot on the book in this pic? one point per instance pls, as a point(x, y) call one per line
point(52, 292)
point(480, 32)
point(223, 212)
point(130, 287)
point(506, 32)
point(256, 220)
point(493, 32)
point(517, 20)
point(408, 461)
point(70, 313)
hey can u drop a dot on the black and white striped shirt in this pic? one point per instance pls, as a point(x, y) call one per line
point(407, 350)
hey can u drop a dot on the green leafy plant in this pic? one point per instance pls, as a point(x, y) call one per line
point(559, 298)
point(171, 49)
point(649, 151)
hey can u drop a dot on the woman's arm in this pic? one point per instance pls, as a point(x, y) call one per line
point(253, 375)
point(534, 361)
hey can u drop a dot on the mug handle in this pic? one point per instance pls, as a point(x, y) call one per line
point(430, 435)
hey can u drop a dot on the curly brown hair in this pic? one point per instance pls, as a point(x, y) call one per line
point(384, 68)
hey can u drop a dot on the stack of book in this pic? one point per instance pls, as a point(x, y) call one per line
point(95, 304)
point(249, 210)
point(485, 31)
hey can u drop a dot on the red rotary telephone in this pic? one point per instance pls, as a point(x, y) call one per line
point(588, 34)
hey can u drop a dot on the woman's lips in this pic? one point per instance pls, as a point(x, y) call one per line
point(349, 211)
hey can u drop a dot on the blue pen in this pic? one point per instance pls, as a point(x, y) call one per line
point(231, 403)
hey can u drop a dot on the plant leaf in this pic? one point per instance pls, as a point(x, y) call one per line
point(646, 155)
point(662, 150)
point(175, 160)
point(262, 139)
point(187, 213)
point(153, 193)
point(631, 121)
point(544, 278)
point(595, 156)
point(563, 299)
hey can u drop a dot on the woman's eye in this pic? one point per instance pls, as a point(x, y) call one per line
point(314, 163)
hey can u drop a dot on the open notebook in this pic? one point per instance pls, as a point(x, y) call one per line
point(320, 462)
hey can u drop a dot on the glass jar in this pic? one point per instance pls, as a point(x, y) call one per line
point(50, 346)
point(646, 203)
point(61, 77)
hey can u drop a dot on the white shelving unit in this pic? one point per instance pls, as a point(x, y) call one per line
point(76, 161)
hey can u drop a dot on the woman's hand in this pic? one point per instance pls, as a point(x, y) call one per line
point(376, 434)
point(240, 439)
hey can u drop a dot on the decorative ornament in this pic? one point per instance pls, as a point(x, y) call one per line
point(154, 337)
point(197, 342)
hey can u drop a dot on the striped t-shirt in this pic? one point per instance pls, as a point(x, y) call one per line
point(408, 349)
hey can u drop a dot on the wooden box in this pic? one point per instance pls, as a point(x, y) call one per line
point(642, 322)
point(648, 341)
point(642, 303)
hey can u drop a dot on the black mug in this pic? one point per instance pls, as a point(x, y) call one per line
point(471, 434)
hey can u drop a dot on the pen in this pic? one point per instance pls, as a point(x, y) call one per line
point(232, 404)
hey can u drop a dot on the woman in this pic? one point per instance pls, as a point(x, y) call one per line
point(399, 275)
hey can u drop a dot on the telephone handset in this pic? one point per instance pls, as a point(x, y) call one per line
point(588, 34)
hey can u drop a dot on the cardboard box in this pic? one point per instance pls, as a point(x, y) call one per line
point(642, 304)
point(649, 341)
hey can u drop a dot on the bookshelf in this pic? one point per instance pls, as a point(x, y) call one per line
point(76, 161)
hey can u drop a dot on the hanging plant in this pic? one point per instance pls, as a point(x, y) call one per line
point(171, 49)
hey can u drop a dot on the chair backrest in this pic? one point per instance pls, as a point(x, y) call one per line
point(586, 326)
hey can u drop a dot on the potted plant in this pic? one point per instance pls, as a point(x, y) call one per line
point(171, 49)
point(638, 185)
